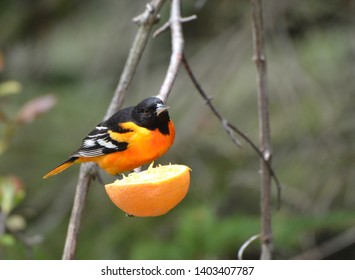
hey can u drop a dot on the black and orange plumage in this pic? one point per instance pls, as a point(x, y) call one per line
point(128, 139)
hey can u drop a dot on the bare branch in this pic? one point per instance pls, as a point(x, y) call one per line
point(228, 127)
point(161, 29)
point(88, 170)
point(177, 44)
point(189, 18)
point(166, 25)
point(264, 129)
point(86, 175)
point(145, 17)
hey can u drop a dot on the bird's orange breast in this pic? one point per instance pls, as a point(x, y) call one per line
point(143, 147)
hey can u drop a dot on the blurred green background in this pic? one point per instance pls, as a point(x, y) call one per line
point(72, 52)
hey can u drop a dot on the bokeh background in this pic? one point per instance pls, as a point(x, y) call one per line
point(70, 55)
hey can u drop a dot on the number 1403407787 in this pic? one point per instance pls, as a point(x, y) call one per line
point(224, 270)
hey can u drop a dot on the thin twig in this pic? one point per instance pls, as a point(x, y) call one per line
point(166, 25)
point(228, 127)
point(246, 244)
point(264, 129)
point(88, 170)
point(189, 18)
point(177, 45)
point(161, 29)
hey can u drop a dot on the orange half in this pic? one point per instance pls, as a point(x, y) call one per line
point(152, 192)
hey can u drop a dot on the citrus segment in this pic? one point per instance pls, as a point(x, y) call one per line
point(152, 192)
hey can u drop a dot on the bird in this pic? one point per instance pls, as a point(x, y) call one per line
point(130, 138)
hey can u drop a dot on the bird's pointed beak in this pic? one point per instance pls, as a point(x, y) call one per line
point(161, 108)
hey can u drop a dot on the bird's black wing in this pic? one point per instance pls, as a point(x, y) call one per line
point(99, 142)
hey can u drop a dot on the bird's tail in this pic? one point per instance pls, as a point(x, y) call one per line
point(61, 167)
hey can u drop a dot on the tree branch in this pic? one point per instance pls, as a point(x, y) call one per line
point(177, 44)
point(88, 170)
point(230, 128)
point(87, 173)
point(264, 129)
point(166, 25)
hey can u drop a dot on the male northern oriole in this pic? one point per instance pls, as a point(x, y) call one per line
point(128, 139)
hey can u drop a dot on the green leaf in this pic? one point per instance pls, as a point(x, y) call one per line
point(16, 223)
point(7, 240)
point(11, 193)
point(10, 88)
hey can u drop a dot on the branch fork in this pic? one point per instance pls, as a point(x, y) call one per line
point(166, 25)
point(146, 16)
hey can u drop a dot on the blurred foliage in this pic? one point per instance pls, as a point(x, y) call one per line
point(74, 50)
point(12, 192)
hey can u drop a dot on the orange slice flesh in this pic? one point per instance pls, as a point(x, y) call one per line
point(152, 192)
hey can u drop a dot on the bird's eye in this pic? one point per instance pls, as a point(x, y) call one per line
point(145, 111)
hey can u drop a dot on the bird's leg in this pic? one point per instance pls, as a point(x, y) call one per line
point(119, 176)
point(98, 177)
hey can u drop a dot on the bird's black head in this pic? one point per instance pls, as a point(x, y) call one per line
point(152, 113)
